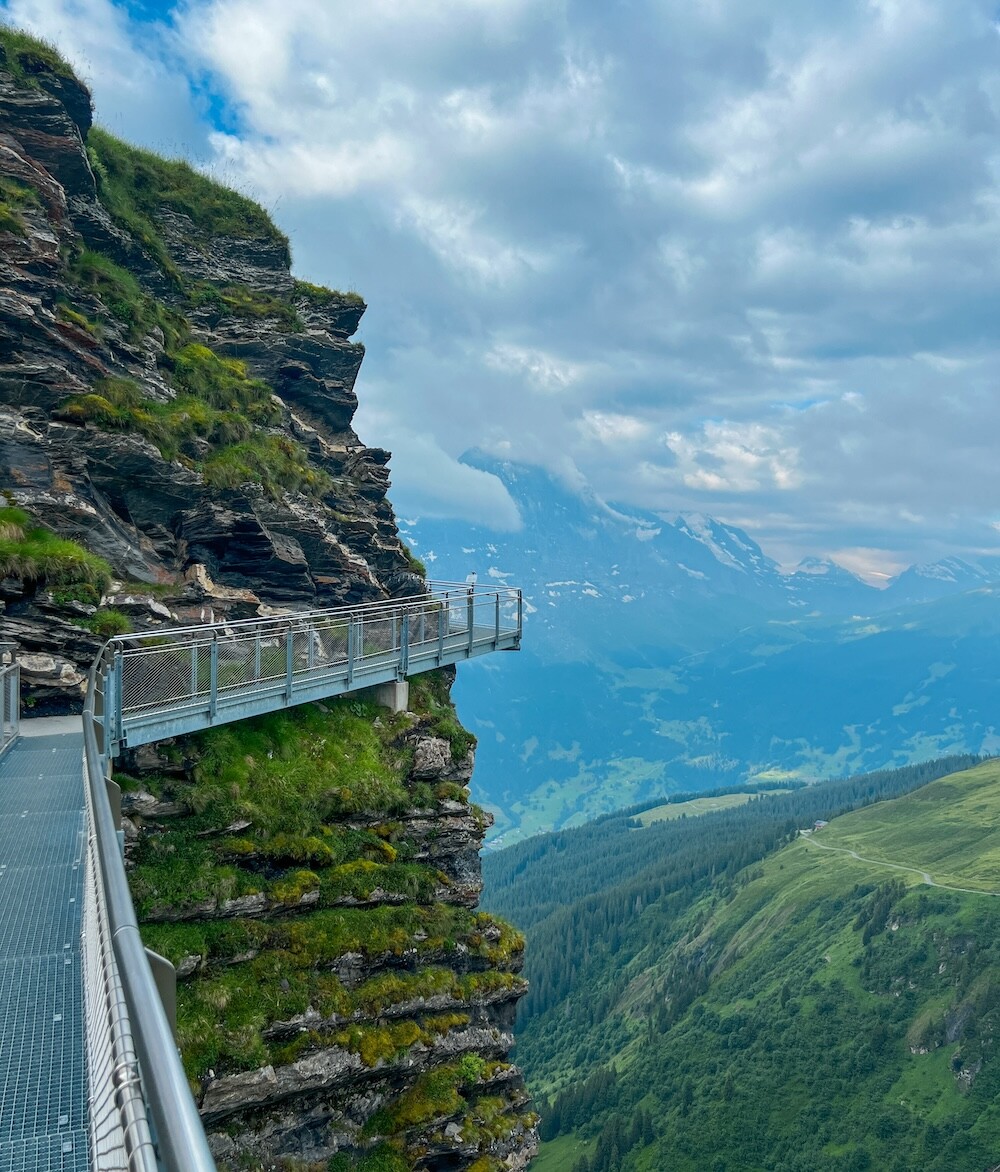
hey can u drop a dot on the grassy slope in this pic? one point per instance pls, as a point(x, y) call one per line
point(695, 807)
point(822, 980)
point(950, 829)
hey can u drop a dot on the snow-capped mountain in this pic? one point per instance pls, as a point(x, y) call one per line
point(670, 652)
point(677, 581)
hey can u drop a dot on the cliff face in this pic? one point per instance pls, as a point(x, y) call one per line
point(171, 397)
point(176, 446)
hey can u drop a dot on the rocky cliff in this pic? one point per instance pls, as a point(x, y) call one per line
point(176, 446)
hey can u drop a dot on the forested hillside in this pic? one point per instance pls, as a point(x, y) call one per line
point(725, 994)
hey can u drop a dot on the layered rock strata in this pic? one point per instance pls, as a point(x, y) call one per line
point(176, 446)
point(101, 352)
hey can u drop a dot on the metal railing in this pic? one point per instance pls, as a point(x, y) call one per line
point(142, 1114)
point(10, 705)
point(145, 687)
point(166, 683)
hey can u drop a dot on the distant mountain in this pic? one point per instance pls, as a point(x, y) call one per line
point(941, 579)
point(667, 652)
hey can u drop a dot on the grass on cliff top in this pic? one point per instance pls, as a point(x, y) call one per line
point(321, 296)
point(135, 185)
point(291, 772)
point(35, 554)
point(26, 56)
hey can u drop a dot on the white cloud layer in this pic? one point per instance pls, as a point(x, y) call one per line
point(740, 256)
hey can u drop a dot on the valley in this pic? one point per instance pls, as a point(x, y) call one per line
point(665, 655)
point(779, 1006)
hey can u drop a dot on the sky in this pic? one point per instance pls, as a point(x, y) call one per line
point(733, 256)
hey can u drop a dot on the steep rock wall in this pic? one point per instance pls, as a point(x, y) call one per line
point(176, 446)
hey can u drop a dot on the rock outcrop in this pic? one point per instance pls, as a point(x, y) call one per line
point(107, 336)
point(176, 446)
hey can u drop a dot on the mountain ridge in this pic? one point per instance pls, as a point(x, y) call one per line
point(678, 655)
point(796, 1010)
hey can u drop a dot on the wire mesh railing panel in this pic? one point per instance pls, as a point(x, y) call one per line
point(197, 676)
point(119, 1130)
point(10, 698)
point(377, 636)
point(159, 677)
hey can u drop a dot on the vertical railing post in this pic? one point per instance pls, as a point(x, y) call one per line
point(471, 607)
point(350, 650)
point(496, 637)
point(404, 649)
point(213, 677)
point(441, 614)
point(116, 699)
point(289, 662)
point(311, 648)
point(520, 616)
point(194, 669)
point(256, 656)
point(423, 628)
point(107, 725)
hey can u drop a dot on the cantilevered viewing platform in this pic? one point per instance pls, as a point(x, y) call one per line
point(92, 1077)
point(178, 681)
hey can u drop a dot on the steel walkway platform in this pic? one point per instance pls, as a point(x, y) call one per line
point(43, 1070)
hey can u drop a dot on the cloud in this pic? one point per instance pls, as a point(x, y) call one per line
point(875, 566)
point(769, 233)
point(734, 458)
point(134, 69)
point(454, 490)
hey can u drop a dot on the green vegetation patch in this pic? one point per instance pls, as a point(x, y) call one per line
point(218, 404)
point(382, 1158)
point(811, 1011)
point(124, 299)
point(434, 1095)
point(275, 462)
point(429, 693)
point(321, 296)
point(244, 302)
point(950, 828)
point(261, 972)
point(35, 554)
point(28, 57)
point(15, 196)
point(274, 806)
point(292, 772)
point(135, 185)
point(107, 622)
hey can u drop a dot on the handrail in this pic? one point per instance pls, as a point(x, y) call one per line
point(178, 1131)
point(179, 680)
point(437, 592)
point(422, 636)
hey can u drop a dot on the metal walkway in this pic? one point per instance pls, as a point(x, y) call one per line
point(44, 1108)
point(90, 1077)
point(172, 682)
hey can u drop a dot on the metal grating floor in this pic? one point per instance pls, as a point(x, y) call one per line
point(43, 1074)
